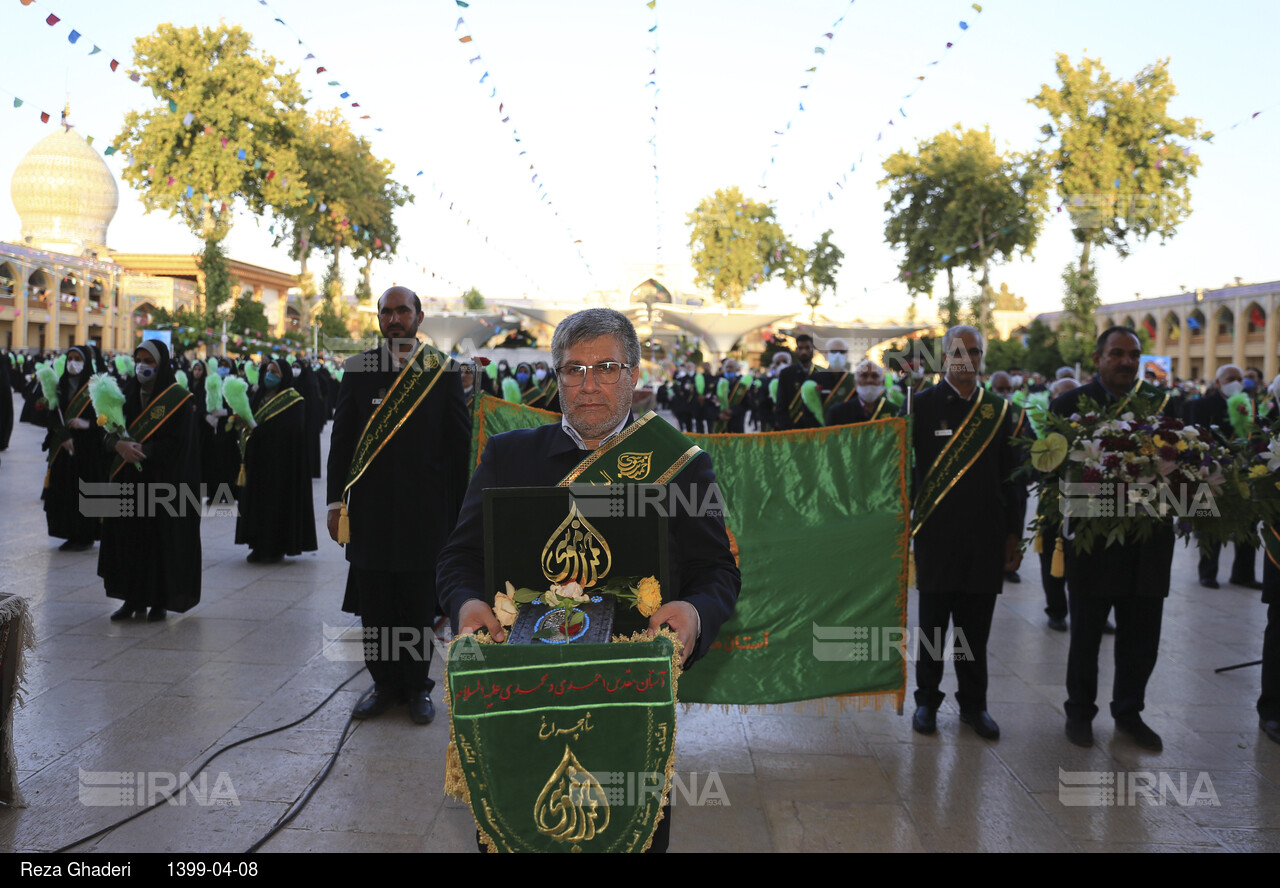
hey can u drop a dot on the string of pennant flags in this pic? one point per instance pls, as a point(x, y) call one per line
point(344, 94)
point(819, 50)
point(653, 139)
point(467, 40)
point(838, 185)
point(258, 163)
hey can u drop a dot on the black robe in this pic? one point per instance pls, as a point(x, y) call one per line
point(63, 515)
point(308, 385)
point(153, 559)
point(277, 516)
point(7, 372)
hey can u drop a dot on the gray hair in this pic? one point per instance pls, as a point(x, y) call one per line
point(867, 363)
point(951, 335)
point(1065, 384)
point(1066, 373)
point(592, 323)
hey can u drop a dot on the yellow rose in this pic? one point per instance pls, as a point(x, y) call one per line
point(506, 609)
point(1258, 472)
point(1181, 446)
point(102, 419)
point(648, 596)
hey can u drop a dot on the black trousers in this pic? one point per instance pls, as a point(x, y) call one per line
point(397, 610)
point(1137, 643)
point(1269, 701)
point(1241, 569)
point(1055, 588)
point(971, 615)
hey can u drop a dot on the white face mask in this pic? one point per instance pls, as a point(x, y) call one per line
point(869, 393)
point(1234, 387)
point(74, 367)
point(540, 374)
point(837, 362)
point(1016, 381)
point(144, 372)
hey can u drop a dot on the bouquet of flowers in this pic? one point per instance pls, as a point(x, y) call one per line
point(1259, 466)
point(1115, 479)
point(645, 596)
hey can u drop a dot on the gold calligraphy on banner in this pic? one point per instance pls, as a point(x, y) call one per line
point(635, 465)
point(576, 551)
point(572, 806)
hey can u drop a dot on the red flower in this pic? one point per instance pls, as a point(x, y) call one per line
point(1091, 476)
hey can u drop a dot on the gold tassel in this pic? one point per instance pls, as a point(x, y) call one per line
point(344, 526)
point(911, 570)
point(241, 481)
point(1058, 569)
point(1038, 545)
point(46, 476)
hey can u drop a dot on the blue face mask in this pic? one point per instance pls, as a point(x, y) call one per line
point(271, 380)
point(144, 372)
point(522, 377)
point(224, 372)
point(730, 376)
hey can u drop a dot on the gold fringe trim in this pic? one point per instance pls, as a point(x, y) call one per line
point(241, 480)
point(1038, 545)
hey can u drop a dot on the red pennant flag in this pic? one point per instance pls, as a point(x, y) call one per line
point(52, 20)
point(321, 69)
point(466, 39)
point(355, 104)
point(377, 242)
point(27, 2)
point(114, 64)
point(44, 116)
point(271, 174)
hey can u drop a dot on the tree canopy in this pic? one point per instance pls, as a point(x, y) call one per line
point(957, 202)
point(737, 245)
point(1121, 164)
point(821, 263)
point(212, 85)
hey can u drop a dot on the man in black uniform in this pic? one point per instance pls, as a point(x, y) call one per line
point(396, 482)
point(1132, 578)
point(966, 527)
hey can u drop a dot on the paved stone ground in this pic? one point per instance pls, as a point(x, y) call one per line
point(106, 696)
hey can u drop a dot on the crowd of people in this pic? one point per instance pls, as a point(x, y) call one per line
point(248, 432)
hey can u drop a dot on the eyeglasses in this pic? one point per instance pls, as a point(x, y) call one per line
point(606, 373)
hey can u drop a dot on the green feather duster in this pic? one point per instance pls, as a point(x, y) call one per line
point(289, 360)
point(213, 392)
point(236, 391)
point(48, 384)
point(813, 400)
point(250, 373)
point(337, 374)
point(491, 370)
point(180, 376)
point(108, 401)
point(124, 365)
point(511, 390)
point(700, 383)
point(722, 392)
point(773, 390)
point(1240, 412)
point(60, 365)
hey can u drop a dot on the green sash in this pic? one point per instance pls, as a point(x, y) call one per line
point(1271, 543)
point(962, 450)
point(1017, 424)
point(880, 405)
point(549, 393)
point(730, 402)
point(844, 389)
point(795, 410)
point(1144, 389)
point(649, 451)
point(269, 409)
point(152, 417)
point(79, 402)
point(531, 396)
point(417, 378)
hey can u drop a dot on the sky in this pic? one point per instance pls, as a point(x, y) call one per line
point(573, 78)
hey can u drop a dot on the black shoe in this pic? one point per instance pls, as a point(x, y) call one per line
point(925, 721)
point(1248, 584)
point(125, 612)
point(1080, 732)
point(1058, 624)
point(376, 703)
point(421, 711)
point(156, 615)
point(982, 723)
point(253, 557)
point(74, 546)
point(1270, 727)
point(1011, 576)
point(1137, 729)
point(1109, 628)
point(1210, 584)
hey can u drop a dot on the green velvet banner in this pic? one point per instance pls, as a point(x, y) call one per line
point(820, 521)
point(562, 748)
point(493, 416)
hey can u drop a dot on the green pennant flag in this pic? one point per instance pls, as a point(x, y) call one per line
point(795, 502)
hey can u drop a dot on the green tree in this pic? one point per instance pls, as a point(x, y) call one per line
point(1121, 164)
point(959, 203)
point(472, 300)
point(820, 266)
point(247, 313)
point(216, 275)
point(1005, 353)
point(737, 245)
point(212, 86)
point(1043, 354)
